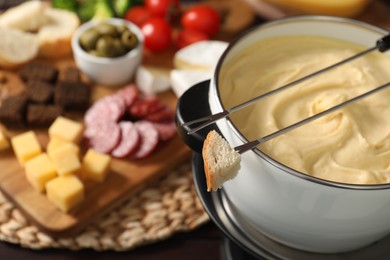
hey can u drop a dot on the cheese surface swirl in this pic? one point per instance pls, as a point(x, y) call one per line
point(350, 145)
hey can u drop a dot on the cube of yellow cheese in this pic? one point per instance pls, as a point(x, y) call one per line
point(65, 160)
point(56, 142)
point(65, 191)
point(40, 170)
point(95, 165)
point(66, 129)
point(26, 146)
point(4, 144)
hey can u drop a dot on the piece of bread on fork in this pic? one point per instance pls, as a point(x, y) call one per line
point(221, 162)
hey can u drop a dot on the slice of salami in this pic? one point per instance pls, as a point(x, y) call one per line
point(165, 114)
point(129, 94)
point(149, 139)
point(103, 137)
point(130, 140)
point(93, 114)
point(108, 109)
point(91, 130)
point(166, 130)
point(144, 106)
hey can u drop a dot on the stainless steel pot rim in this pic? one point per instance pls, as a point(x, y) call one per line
point(299, 18)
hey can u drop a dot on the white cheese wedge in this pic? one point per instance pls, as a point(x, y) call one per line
point(203, 55)
point(195, 63)
point(152, 80)
point(181, 80)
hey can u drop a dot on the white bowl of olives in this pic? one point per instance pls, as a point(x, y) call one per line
point(108, 51)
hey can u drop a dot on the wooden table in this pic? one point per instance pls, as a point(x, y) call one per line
point(203, 243)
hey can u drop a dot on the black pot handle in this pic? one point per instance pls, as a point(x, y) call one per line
point(194, 104)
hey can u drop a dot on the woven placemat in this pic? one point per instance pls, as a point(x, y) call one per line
point(160, 210)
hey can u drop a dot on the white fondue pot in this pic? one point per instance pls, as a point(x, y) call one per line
point(290, 207)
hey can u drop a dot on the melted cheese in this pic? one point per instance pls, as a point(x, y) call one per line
point(351, 145)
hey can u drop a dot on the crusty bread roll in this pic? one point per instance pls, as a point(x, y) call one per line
point(221, 162)
point(17, 47)
point(54, 27)
point(27, 16)
point(55, 36)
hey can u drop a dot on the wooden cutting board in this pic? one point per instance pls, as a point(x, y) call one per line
point(126, 177)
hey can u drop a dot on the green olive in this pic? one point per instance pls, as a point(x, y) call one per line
point(105, 47)
point(88, 39)
point(107, 29)
point(121, 28)
point(108, 40)
point(119, 48)
point(129, 39)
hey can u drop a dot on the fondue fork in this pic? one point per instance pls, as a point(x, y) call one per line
point(382, 45)
point(252, 144)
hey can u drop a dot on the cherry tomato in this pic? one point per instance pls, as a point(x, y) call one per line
point(202, 18)
point(167, 9)
point(157, 33)
point(188, 36)
point(137, 15)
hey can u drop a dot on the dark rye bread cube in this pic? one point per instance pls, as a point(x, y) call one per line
point(39, 71)
point(70, 74)
point(39, 115)
point(39, 91)
point(13, 111)
point(72, 96)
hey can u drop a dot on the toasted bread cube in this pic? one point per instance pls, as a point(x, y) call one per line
point(56, 143)
point(96, 165)
point(4, 144)
point(65, 192)
point(26, 146)
point(65, 160)
point(40, 170)
point(66, 129)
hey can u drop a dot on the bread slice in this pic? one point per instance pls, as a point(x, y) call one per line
point(17, 47)
point(26, 16)
point(221, 162)
point(55, 36)
point(53, 27)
